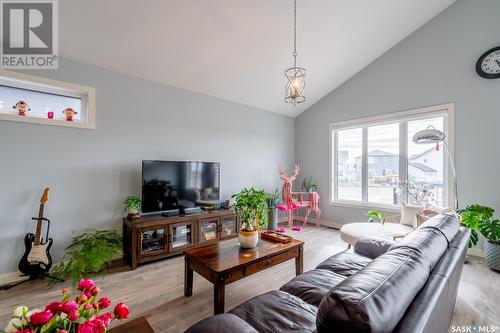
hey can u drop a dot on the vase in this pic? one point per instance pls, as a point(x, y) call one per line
point(492, 255)
point(272, 218)
point(248, 239)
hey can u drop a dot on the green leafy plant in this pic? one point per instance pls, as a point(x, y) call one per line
point(272, 198)
point(480, 218)
point(251, 205)
point(132, 205)
point(89, 252)
point(308, 185)
point(375, 215)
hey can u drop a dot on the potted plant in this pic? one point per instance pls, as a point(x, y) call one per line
point(251, 205)
point(89, 252)
point(309, 186)
point(375, 215)
point(480, 218)
point(272, 201)
point(132, 205)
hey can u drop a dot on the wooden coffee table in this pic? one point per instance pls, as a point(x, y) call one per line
point(225, 262)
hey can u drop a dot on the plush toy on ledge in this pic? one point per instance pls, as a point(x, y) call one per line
point(22, 108)
point(69, 113)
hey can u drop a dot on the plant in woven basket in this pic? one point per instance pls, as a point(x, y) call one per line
point(89, 252)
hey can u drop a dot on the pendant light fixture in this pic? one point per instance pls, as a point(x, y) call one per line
point(295, 86)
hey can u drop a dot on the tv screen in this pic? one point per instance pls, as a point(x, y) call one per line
point(171, 185)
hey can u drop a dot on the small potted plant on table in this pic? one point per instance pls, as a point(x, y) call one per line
point(133, 207)
point(309, 185)
point(250, 204)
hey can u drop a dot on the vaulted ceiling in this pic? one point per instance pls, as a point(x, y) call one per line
point(237, 49)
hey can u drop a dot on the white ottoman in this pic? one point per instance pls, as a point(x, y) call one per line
point(351, 232)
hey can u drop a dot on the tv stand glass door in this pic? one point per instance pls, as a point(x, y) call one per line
point(181, 236)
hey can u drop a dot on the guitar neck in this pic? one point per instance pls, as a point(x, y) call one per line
point(39, 225)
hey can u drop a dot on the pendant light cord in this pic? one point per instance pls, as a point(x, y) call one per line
point(294, 33)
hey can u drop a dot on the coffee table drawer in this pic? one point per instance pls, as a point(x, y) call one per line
point(270, 262)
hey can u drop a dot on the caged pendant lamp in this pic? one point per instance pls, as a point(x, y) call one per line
point(295, 86)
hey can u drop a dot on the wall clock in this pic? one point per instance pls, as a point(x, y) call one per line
point(488, 65)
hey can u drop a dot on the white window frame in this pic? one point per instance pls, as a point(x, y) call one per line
point(36, 83)
point(446, 110)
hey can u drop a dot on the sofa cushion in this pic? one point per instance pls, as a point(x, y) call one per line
point(345, 263)
point(277, 311)
point(432, 238)
point(222, 323)
point(313, 285)
point(448, 225)
point(375, 298)
point(372, 247)
point(409, 215)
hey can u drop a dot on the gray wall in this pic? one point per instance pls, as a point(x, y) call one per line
point(434, 65)
point(90, 172)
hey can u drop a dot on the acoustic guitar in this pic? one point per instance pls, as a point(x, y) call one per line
point(36, 260)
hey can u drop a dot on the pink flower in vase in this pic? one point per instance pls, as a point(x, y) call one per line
point(85, 284)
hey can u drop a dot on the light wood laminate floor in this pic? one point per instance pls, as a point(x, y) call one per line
point(155, 290)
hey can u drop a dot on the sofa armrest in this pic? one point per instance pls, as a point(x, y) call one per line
point(372, 247)
point(222, 323)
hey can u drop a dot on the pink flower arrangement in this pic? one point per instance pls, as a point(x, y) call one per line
point(80, 314)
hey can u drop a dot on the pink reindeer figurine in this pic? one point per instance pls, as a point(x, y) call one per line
point(290, 205)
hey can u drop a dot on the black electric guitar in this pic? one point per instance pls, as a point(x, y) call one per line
point(36, 260)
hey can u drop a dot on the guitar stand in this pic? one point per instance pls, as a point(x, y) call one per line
point(34, 277)
point(31, 278)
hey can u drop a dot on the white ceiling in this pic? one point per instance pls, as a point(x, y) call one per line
point(237, 49)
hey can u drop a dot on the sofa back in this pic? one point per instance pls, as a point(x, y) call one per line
point(432, 308)
point(376, 298)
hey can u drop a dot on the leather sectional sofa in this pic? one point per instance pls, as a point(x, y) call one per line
point(407, 286)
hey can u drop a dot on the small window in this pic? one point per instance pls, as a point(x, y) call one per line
point(26, 98)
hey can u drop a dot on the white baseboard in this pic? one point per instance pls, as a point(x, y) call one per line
point(8, 278)
point(329, 224)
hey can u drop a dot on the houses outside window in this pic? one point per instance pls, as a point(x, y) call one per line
point(371, 156)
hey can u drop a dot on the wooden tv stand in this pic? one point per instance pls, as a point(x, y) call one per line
point(155, 237)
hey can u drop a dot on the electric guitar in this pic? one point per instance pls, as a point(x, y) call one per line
point(36, 260)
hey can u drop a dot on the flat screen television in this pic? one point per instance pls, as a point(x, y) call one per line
point(169, 186)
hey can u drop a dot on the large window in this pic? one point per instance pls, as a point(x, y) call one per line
point(372, 156)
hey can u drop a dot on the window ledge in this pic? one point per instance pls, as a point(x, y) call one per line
point(366, 205)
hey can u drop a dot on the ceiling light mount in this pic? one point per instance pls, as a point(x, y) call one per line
point(295, 86)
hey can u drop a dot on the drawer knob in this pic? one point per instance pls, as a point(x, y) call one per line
point(268, 263)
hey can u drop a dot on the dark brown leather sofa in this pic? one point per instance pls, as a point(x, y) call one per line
point(409, 286)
